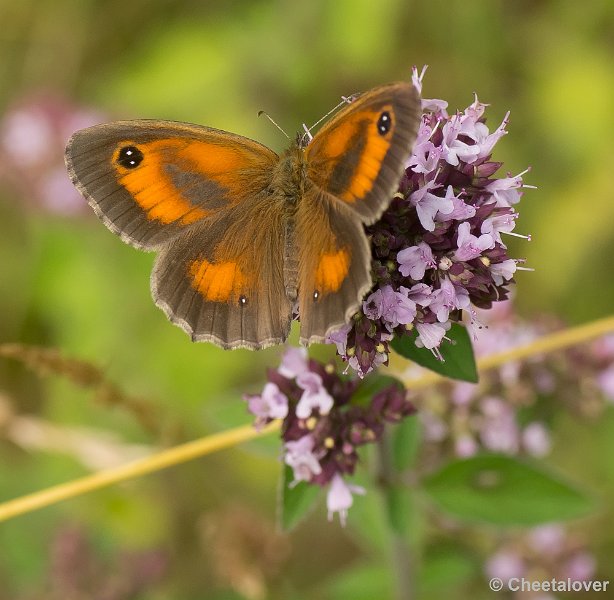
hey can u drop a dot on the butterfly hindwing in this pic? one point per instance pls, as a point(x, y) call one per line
point(334, 265)
point(359, 155)
point(223, 280)
point(149, 181)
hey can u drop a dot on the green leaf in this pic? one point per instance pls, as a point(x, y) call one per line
point(296, 501)
point(458, 363)
point(502, 490)
point(371, 385)
point(405, 442)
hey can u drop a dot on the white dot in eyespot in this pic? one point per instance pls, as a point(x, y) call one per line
point(316, 296)
point(130, 157)
point(242, 301)
point(384, 123)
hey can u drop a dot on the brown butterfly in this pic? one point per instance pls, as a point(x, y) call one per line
point(246, 237)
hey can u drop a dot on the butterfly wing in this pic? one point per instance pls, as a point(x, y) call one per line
point(359, 155)
point(150, 181)
point(355, 163)
point(334, 265)
point(223, 282)
point(195, 195)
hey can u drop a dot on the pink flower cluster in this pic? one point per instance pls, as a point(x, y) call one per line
point(510, 409)
point(322, 427)
point(549, 550)
point(439, 249)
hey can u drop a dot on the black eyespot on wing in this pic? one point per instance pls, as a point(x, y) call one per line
point(384, 123)
point(130, 157)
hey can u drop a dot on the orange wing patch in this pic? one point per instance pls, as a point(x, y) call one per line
point(340, 138)
point(371, 157)
point(152, 187)
point(217, 282)
point(215, 161)
point(349, 157)
point(332, 270)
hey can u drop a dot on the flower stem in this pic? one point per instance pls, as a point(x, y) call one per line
point(395, 499)
point(404, 560)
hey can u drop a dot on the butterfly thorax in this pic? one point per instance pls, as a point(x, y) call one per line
point(289, 175)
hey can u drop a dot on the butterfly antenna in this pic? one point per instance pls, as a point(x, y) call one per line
point(344, 100)
point(261, 112)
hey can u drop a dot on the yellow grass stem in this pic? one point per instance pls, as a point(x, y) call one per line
point(226, 439)
point(143, 466)
point(544, 345)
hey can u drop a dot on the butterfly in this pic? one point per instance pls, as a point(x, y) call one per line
point(246, 238)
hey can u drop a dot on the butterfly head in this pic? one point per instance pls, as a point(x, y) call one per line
point(303, 138)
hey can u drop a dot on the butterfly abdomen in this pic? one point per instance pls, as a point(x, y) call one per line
point(287, 186)
point(291, 263)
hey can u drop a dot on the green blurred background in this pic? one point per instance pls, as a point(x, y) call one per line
point(67, 283)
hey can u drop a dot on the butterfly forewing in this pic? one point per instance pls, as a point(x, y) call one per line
point(358, 156)
point(150, 181)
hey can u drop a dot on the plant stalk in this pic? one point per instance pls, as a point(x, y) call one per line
point(395, 494)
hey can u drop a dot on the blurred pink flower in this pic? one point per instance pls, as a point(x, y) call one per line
point(505, 565)
point(33, 134)
point(536, 439)
point(300, 456)
point(547, 539)
point(271, 404)
point(314, 397)
point(580, 567)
